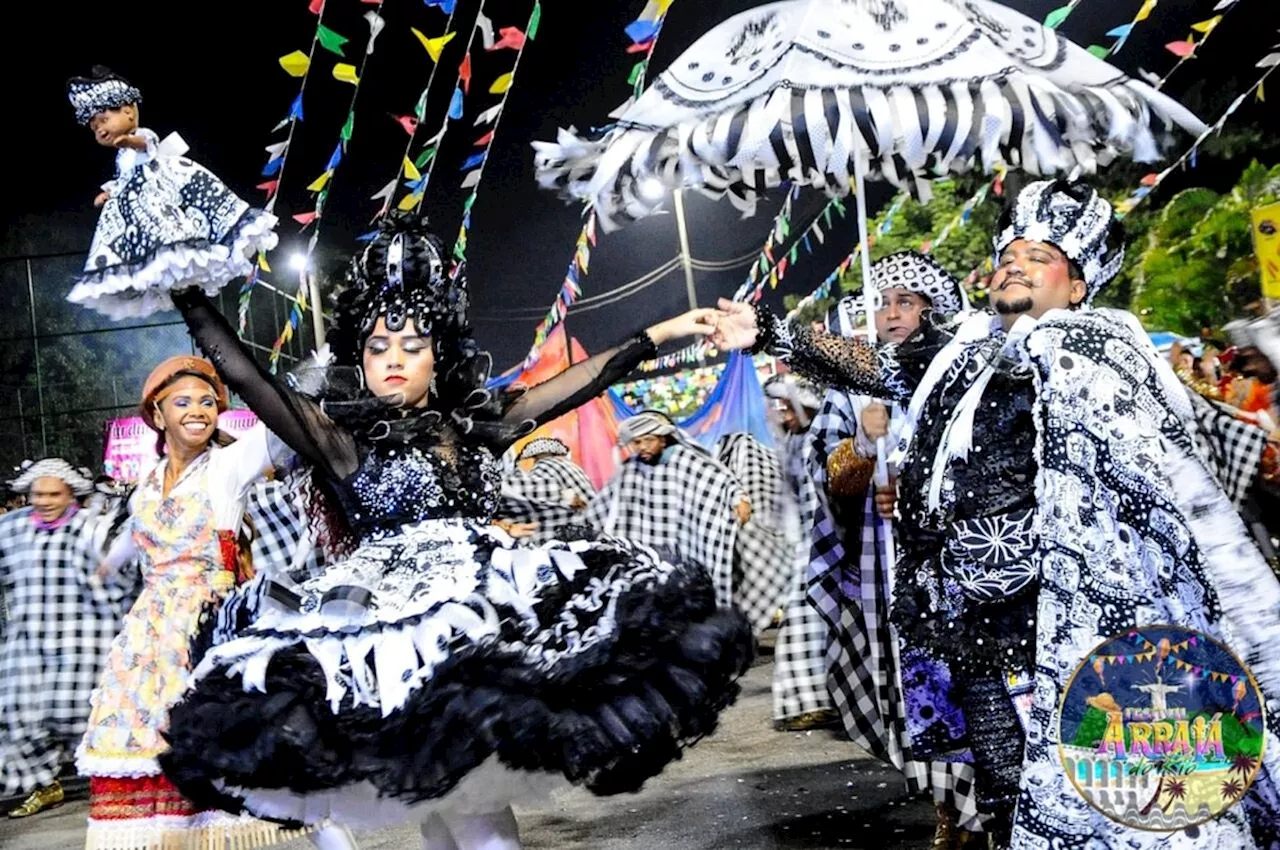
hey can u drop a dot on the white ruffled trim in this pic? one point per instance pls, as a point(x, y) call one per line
point(489, 788)
point(132, 767)
point(122, 295)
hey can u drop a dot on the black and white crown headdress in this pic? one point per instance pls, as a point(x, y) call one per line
point(400, 275)
point(1073, 217)
point(922, 275)
point(103, 89)
point(79, 480)
point(544, 446)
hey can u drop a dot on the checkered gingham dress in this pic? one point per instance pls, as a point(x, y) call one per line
point(282, 539)
point(538, 496)
point(682, 507)
point(765, 553)
point(1232, 449)
point(851, 591)
point(799, 657)
point(62, 620)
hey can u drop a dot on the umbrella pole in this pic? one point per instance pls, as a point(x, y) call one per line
point(868, 303)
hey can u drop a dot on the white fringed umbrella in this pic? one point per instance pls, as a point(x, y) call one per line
point(801, 90)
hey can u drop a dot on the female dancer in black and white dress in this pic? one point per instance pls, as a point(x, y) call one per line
point(439, 672)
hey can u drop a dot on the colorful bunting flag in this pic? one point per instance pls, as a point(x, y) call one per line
point(296, 63)
point(330, 40)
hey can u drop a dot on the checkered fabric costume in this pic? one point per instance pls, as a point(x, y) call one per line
point(681, 506)
point(851, 589)
point(1232, 449)
point(765, 552)
point(544, 495)
point(62, 620)
point(280, 530)
point(799, 656)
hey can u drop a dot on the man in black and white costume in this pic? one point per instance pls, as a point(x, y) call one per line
point(673, 496)
point(62, 619)
point(1051, 497)
point(551, 495)
point(800, 697)
point(765, 548)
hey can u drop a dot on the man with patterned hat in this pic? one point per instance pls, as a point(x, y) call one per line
point(1052, 497)
point(547, 496)
point(62, 620)
point(672, 495)
point(848, 576)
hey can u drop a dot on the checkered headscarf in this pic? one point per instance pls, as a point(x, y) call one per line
point(102, 90)
point(1073, 217)
point(79, 480)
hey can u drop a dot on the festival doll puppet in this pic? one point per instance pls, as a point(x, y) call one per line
point(167, 222)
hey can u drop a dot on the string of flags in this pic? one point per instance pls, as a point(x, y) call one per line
point(416, 171)
point(781, 229)
point(1162, 649)
point(1186, 49)
point(344, 72)
point(474, 165)
point(1150, 182)
point(643, 32)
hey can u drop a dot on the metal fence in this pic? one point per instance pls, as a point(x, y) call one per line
point(66, 371)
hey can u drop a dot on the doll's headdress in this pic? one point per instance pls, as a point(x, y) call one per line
point(79, 480)
point(914, 272)
point(1073, 217)
point(103, 89)
point(544, 446)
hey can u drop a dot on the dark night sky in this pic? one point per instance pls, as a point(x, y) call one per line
point(209, 71)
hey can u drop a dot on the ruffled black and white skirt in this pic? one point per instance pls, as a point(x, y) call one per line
point(170, 224)
point(445, 668)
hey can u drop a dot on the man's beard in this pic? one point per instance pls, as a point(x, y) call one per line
point(1010, 308)
point(652, 460)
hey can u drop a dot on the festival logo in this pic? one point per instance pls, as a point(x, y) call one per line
point(1162, 728)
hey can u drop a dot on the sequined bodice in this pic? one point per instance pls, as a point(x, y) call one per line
point(399, 484)
point(1000, 472)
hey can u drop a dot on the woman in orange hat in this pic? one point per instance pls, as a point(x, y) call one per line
point(185, 518)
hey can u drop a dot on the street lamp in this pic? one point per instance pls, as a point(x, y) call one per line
point(301, 263)
point(651, 189)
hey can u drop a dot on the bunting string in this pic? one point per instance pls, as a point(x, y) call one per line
point(352, 74)
point(475, 164)
point(1187, 49)
point(417, 171)
point(1151, 650)
point(1150, 182)
point(643, 32)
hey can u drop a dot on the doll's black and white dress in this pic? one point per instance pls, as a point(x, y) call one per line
point(168, 224)
point(440, 666)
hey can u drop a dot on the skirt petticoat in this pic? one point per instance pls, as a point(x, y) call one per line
point(170, 225)
point(443, 667)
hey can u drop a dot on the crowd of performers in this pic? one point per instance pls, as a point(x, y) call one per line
point(356, 614)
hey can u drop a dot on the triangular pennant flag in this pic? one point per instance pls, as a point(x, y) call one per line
point(643, 31)
point(306, 218)
point(320, 182)
point(277, 150)
point(344, 73)
point(367, 237)
point(502, 84)
point(455, 104)
point(1145, 12)
point(472, 161)
point(316, 7)
point(1269, 61)
point(1208, 26)
point(640, 47)
point(426, 156)
point(408, 202)
point(385, 193)
point(486, 29)
point(272, 167)
point(269, 187)
point(348, 127)
point(1261, 95)
point(435, 46)
point(1181, 49)
point(488, 115)
point(485, 139)
point(376, 23)
point(1121, 32)
point(295, 108)
point(334, 158)
point(1055, 18)
point(446, 6)
point(535, 18)
point(509, 38)
point(411, 170)
point(464, 73)
point(330, 40)
point(418, 186)
point(472, 179)
point(407, 122)
point(296, 63)
point(420, 108)
point(634, 76)
point(262, 263)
